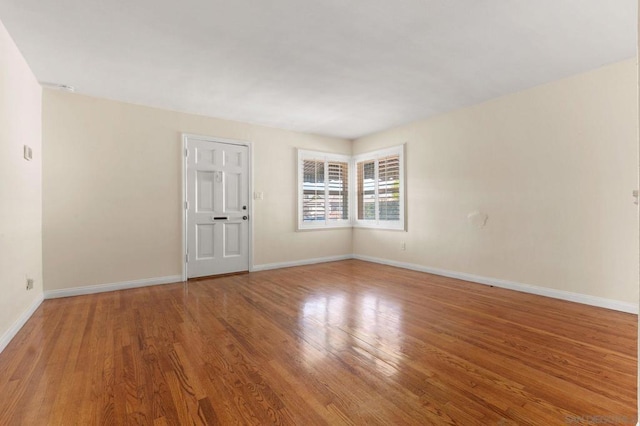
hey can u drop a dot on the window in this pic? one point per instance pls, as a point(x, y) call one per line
point(324, 183)
point(337, 190)
point(380, 189)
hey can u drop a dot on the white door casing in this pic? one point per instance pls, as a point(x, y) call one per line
point(216, 206)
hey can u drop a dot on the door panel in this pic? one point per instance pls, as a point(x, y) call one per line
point(233, 183)
point(205, 155)
point(232, 242)
point(205, 190)
point(205, 244)
point(217, 179)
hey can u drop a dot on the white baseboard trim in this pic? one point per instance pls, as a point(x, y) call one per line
point(19, 323)
point(101, 288)
point(268, 266)
point(525, 288)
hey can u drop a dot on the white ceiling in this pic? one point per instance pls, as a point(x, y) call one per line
point(333, 67)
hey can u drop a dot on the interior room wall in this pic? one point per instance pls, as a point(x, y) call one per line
point(20, 190)
point(112, 191)
point(553, 167)
point(638, 212)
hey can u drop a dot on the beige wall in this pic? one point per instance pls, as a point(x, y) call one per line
point(638, 170)
point(553, 167)
point(20, 188)
point(112, 195)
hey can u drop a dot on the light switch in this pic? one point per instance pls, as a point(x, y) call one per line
point(28, 153)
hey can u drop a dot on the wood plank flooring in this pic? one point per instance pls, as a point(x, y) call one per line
point(338, 343)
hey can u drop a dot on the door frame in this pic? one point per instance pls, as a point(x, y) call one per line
point(183, 207)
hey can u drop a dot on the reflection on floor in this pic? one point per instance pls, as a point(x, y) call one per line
point(339, 343)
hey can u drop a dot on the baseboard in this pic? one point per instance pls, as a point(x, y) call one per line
point(267, 266)
point(525, 288)
point(101, 288)
point(19, 323)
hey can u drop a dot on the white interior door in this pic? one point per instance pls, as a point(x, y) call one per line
point(217, 218)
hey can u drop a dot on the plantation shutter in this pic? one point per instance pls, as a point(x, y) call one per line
point(338, 208)
point(365, 176)
point(313, 191)
point(325, 191)
point(389, 188)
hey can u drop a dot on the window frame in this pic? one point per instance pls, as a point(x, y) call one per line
point(307, 155)
point(352, 220)
point(375, 156)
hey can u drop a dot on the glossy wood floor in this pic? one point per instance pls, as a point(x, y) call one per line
point(339, 343)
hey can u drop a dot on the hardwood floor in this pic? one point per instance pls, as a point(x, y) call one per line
point(338, 343)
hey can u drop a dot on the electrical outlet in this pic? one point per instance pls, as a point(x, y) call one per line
point(403, 246)
point(29, 283)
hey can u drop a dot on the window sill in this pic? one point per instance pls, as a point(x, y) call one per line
point(352, 226)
